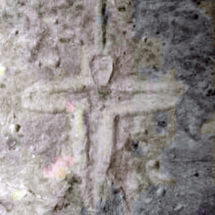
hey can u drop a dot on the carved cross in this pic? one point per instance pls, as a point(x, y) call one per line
point(126, 97)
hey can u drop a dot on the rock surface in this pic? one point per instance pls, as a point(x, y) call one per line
point(106, 107)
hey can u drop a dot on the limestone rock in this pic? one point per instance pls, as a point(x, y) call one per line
point(160, 192)
point(179, 207)
point(90, 106)
point(102, 69)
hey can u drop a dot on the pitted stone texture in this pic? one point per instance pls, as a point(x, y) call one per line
point(65, 73)
point(115, 152)
point(208, 128)
point(43, 135)
point(147, 53)
point(161, 120)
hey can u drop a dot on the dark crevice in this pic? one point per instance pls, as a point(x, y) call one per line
point(162, 123)
point(88, 144)
point(113, 154)
point(104, 13)
point(121, 9)
point(196, 174)
point(135, 145)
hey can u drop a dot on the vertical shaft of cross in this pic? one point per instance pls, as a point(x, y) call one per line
point(102, 17)
point(84, 61)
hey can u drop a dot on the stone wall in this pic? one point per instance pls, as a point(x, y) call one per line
point(104, 107)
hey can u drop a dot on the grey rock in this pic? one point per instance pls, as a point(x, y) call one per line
point(49, 50)
point(160, 192)
point(179, 207)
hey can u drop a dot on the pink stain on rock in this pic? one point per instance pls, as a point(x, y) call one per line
point(61, 163)
point(70, 107)
point(150, 89)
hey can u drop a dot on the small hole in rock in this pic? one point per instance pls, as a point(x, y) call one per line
point(79, 7)
point(196, 174)
point(21, 3)
point(121, 9)
point(157, 164)
point(209, 91)
point(156, 15)
point(162, 123)
point(196, 16)
point(17, 127)
point(115, 191)
point(135, 144)
point(207, 60)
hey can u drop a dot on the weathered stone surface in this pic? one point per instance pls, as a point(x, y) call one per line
point(102, 70)
point(102, 107)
